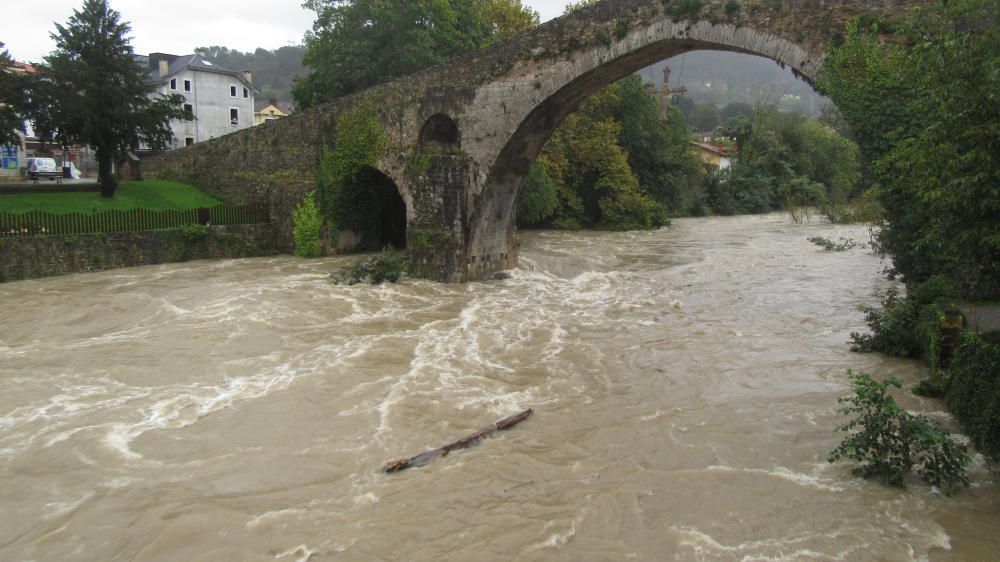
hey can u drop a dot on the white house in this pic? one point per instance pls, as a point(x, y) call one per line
point(220, 100)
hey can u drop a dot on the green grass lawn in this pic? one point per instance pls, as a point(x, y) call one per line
point(154, 195)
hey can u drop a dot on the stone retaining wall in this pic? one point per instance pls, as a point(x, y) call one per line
point(45, 256)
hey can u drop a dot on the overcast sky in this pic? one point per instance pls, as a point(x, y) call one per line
point(179, 26)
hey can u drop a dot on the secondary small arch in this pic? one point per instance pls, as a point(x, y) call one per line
point(442, 130)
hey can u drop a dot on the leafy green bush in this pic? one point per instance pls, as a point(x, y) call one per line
point(844, 245)
point(390, 265)
point(910, 326)
point(974, 392)
point(307, 224)
point(890, 442)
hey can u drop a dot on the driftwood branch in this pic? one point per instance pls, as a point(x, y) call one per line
point(470, 441)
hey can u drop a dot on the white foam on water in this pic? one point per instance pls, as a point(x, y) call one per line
point(706, 547)
point(174, 309)
point(53, 510)
point(801, 554)
point(366, 499)
point(555, 540)
point(807, 480)
point(185, 405)
point(49, 418)
point(302, 553)
point(659, 413)
point(271, 515)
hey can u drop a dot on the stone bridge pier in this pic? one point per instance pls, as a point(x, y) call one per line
point(462, 136)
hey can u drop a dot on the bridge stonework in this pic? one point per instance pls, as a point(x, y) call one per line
point(506, 101)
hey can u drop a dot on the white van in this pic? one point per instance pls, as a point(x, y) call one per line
point(43, 168)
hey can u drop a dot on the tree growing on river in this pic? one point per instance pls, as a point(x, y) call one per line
point(92, 91)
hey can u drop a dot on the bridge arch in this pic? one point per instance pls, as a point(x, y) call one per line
point(566, 84)
point(384, 209)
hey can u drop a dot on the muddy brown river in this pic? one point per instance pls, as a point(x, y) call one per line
point(684, 383)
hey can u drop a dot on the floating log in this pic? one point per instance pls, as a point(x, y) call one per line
point(470, 441)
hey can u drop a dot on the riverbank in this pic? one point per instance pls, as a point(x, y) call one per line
point(957, 342)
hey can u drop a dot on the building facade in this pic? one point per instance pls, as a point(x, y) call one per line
point(219, 100)
point(715, 156)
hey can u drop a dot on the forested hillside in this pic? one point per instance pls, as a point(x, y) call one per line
point(273, 71)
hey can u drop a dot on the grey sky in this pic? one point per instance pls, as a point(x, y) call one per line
point(179, 26)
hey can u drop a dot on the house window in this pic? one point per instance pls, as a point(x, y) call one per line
point(188, 141)
point(234, 116)
point(187, 85)
point(246, 93)
point(189, 112)
point(232, 91)
point(173, 84)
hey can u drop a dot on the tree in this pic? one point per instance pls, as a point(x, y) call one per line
point(537, 200)
point(923, 109)
point(12, 100)
point(704, 117)
point(356, 44)
point(595, 185)
point(657, 147)
point(92, 91)
point(737, 109)
point(786, 159)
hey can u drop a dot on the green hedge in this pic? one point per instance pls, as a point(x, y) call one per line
point(974, 392)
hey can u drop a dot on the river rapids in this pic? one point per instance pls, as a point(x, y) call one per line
point(684, 382)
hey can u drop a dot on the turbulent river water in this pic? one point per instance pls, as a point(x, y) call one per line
point(684, 382)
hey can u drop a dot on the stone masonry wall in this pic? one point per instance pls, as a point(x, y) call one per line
point(45, 256)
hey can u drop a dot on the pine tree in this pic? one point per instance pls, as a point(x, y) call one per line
point(11, 100)
point(92, 91)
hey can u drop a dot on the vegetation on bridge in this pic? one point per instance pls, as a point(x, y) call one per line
point(346, 187)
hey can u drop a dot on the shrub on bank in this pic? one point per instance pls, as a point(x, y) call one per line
point(927, 325)
point(910, 326)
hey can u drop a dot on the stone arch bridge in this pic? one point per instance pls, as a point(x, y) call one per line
point(494, 109)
